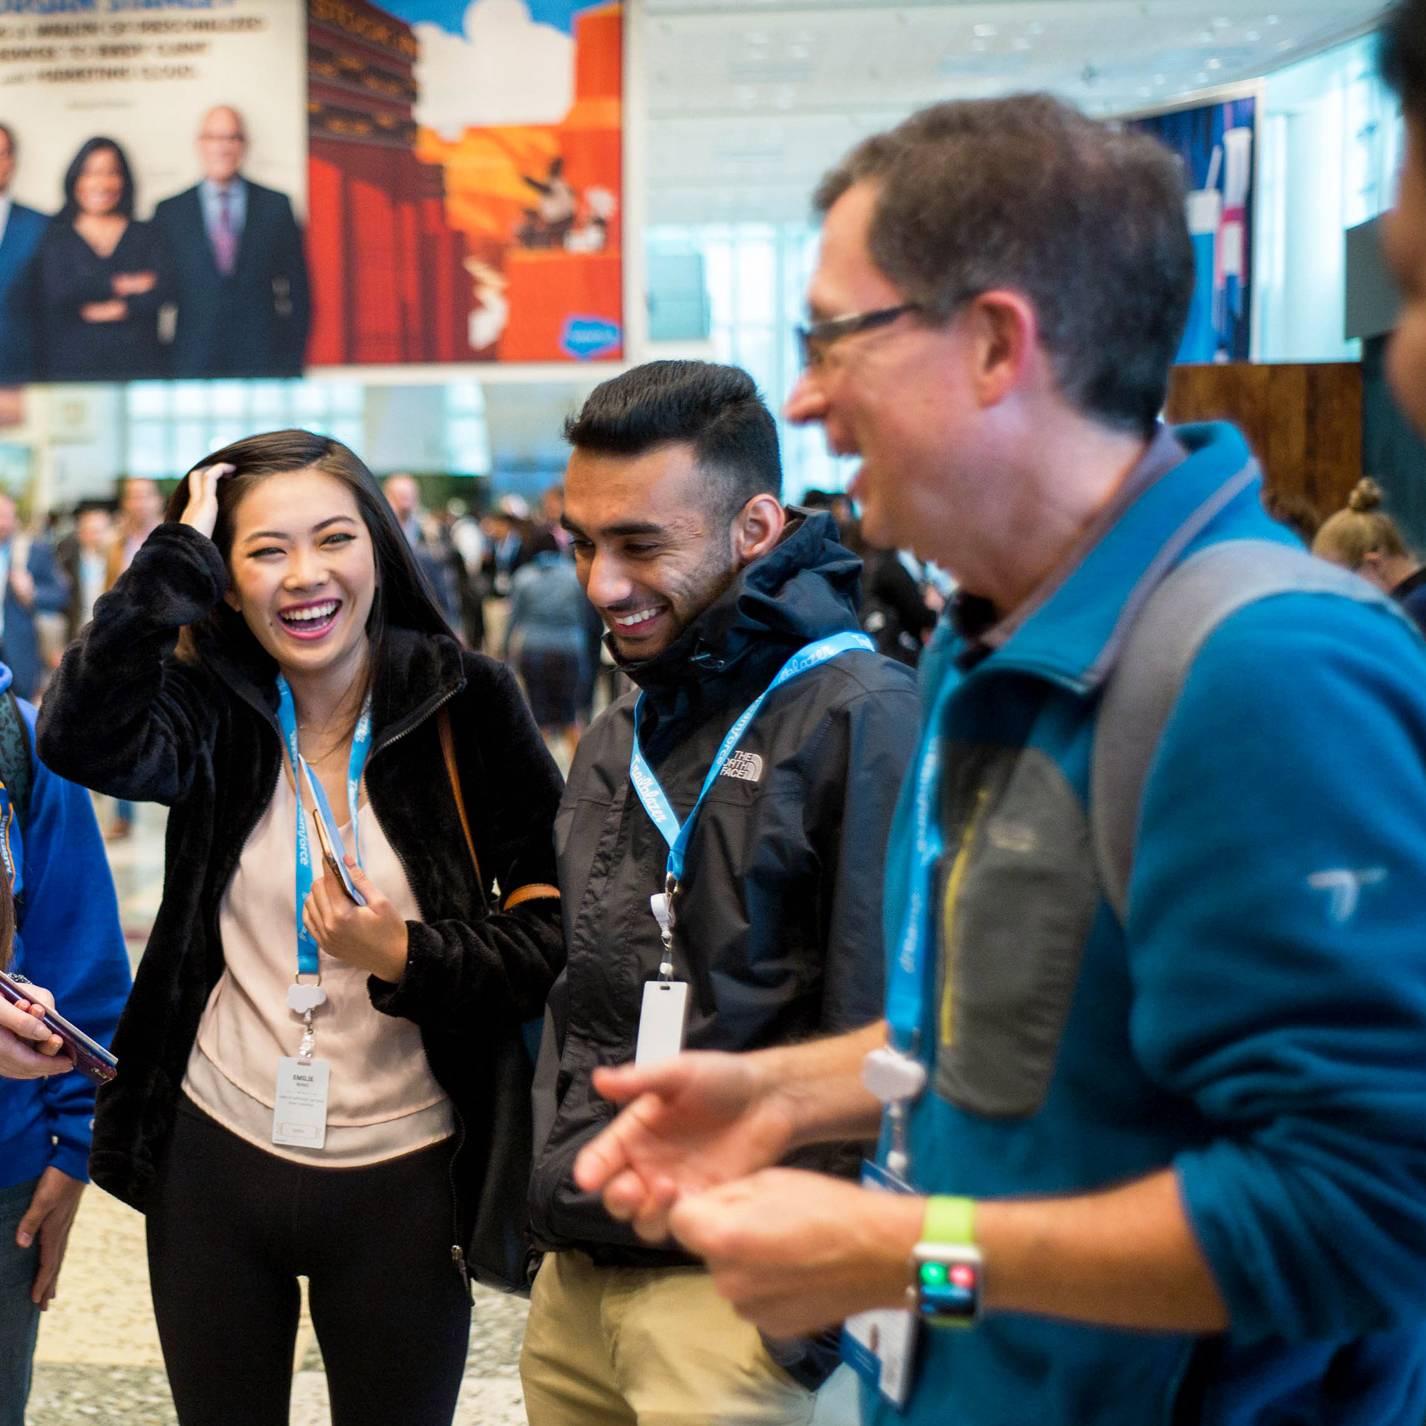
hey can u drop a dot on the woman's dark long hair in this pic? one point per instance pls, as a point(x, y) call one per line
point(402, 598)
point(125, 205)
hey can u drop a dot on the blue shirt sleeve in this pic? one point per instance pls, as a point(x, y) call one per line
point(70, 942)
point(1277, 933)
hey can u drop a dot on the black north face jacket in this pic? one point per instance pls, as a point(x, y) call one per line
point(779, 916)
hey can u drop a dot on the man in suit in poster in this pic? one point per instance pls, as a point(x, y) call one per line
point(20, 231)
point(240, 271)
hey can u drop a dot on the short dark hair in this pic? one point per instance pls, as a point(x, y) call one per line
point(1403, 56)
point(1026, 193)
point(125, 205)
point(715, 409)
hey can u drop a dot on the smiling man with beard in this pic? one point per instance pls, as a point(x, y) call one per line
point(712, 592)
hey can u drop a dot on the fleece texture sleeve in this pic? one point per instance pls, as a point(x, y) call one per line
point(468, 974)
point(1278, 956)
point(123, 715)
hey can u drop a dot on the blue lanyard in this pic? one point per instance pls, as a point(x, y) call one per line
point(652, 795)
point(906, 980)
point(307, 963)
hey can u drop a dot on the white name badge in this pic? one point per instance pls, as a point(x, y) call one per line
point(661, 1021)
point(880, 1346)
point(299, 1115)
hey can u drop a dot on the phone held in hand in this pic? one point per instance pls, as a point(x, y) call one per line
point(90, 1058)
point(328, 837)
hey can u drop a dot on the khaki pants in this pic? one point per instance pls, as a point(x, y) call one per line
point(646, 1347)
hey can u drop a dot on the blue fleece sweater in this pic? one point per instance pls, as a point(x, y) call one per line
point(68, 941)
point(1259, 1026)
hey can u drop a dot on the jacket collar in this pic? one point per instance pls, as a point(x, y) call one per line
point(1073, 633)
point(806, 587)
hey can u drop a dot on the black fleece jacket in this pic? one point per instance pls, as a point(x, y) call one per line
point(779, 919)
point(126, 716)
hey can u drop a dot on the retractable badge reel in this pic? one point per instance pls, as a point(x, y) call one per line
point(665, 1005)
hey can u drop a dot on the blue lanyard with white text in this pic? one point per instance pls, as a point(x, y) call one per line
point(906, 978)
point(652, 795)
point(361, 744)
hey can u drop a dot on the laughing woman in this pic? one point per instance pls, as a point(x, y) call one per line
point(309, 1084)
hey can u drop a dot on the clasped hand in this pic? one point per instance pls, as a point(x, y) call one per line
point(371, 937)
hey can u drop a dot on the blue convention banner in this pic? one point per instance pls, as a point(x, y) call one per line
point(1216, 143)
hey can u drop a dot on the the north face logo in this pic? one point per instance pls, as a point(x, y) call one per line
point(747, 766)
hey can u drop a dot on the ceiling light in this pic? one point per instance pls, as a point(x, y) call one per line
point(1284, 44)
point(1215, 63)
point(1221, 22)
point(1253, 36)
point(1160, 79)
point(983, 32)
point(1272, 20)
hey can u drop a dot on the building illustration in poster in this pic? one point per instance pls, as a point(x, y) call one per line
point(464, 180)
point(151, 190)
point(1216, 144)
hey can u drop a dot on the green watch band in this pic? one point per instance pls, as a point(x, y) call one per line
point(949, 1220)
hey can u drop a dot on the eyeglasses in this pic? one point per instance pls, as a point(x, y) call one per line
point(814, 338)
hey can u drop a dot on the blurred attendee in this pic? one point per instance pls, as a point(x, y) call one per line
point(68, 940)
point(898, 608)
point(468, 541)
point(551, 517)
point(83, 556)
point(141, 505)
point(1295, 511)
point(21, 229)
point(434, 553)
point(239, 268)
point(545, 635)
point(33, 586)
point(1365, 539)
point(100, 277)
point(507, 535)
point(140, 512)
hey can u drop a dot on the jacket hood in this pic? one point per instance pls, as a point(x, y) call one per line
point(806, 587)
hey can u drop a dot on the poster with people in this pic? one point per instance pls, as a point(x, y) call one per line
point(465, 180)
point(151, 190)
point(1216, 144)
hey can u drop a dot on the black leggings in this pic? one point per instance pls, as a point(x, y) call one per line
point(230, 1231)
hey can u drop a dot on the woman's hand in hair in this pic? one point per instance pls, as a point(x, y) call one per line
point(201, 512)
point(371, 937)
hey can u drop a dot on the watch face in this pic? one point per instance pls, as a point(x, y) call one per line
point(949, 1285)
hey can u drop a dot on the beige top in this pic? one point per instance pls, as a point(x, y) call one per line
point(383, 1100)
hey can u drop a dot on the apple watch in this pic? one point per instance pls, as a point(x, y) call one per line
point(946, 1265)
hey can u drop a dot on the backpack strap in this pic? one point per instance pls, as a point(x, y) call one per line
point(1158, 651)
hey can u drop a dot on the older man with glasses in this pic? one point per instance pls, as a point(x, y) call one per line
point(1151, 1074)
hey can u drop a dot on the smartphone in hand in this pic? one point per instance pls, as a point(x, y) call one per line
point(90, 1058)
point(328, 837)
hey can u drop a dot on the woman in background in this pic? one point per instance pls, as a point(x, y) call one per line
point(310, 1085)
point(1366, 540)
point(99, 277)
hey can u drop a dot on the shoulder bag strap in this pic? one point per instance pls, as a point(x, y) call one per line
point(448, 752)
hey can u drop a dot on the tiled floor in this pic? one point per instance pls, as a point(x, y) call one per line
point(98, 1362)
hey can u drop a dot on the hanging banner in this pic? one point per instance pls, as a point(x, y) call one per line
point(152, 177)
point(465, 180)
point(1216, 143)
